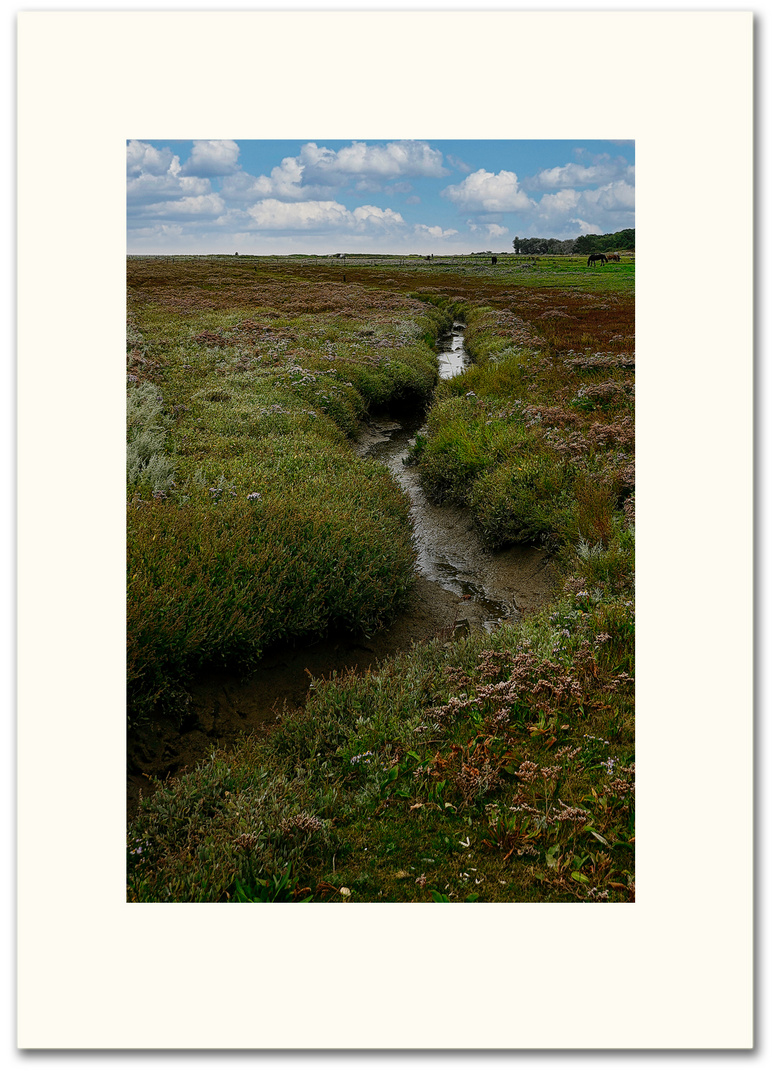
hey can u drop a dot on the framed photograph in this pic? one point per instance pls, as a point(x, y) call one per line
point(305, 202)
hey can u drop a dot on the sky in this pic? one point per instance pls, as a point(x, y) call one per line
point(324, 196)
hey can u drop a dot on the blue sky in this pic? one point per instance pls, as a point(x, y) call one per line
point(322, 196)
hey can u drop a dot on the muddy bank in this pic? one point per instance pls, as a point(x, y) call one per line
point(460, 587)
point(488, 586)
point(224, 705)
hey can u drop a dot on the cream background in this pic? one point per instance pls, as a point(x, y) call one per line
point(675, 969)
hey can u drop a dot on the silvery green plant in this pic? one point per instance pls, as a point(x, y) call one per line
point(146, 429)
point(586, 552)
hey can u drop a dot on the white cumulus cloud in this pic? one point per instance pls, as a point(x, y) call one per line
point(374, 215)
point(596, 210)
point(486, 192)
point(190, 207)
point(321, 215)
point(586, 228)
point(149, 188)
point(558, 206)
point(309, 216)
point(316, 172)
point(617, 196)
point(436, 232)
point(154, 176)
point(385, 162)
point(212, 157)
point(142, 158)
point(604, 170)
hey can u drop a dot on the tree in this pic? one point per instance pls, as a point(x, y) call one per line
point(583, 245)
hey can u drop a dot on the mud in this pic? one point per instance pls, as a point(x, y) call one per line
point(223, 705)
point(460, 587)
point(489, 586)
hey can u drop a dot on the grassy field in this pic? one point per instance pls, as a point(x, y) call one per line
point(498, 768)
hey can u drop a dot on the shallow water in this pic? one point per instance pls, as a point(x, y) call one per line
point(455, 358)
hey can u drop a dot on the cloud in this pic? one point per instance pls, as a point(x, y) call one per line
point(494, 231)
point(309, 216)
point(158, 231)
point(383, 162)
point(141, 158)
point(435, 232)
point(148, 188)
point(373, 215)
point(154, 176)
point(597, 210)
point(317, 172)
point(585, 228)
point(617, 196)
point(557, 207)
point(285, 182)
point(320, 216)
point(602, 171)
point(189, 209)
point(458, 164)
point(212, 157)
point(485, 192)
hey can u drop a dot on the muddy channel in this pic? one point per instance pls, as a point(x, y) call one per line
point(460, 587)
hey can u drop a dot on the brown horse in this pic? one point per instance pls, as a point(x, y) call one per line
point(598, 257)
point(613, 258)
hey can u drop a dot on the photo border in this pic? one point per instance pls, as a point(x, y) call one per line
point(674, 970)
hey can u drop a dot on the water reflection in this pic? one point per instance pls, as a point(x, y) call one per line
point(454, 358)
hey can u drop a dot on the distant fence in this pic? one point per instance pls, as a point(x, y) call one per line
point(352, 260)
point(483, 260)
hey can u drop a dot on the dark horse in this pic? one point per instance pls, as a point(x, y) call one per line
point(596, 258)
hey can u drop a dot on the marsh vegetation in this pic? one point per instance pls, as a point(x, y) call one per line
point(494, 764)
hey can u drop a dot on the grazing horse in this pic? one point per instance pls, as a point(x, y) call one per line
point(613, 258)
point(596, 258)
point(494, 260)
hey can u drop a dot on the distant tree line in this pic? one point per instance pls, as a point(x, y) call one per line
point(582, 245)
